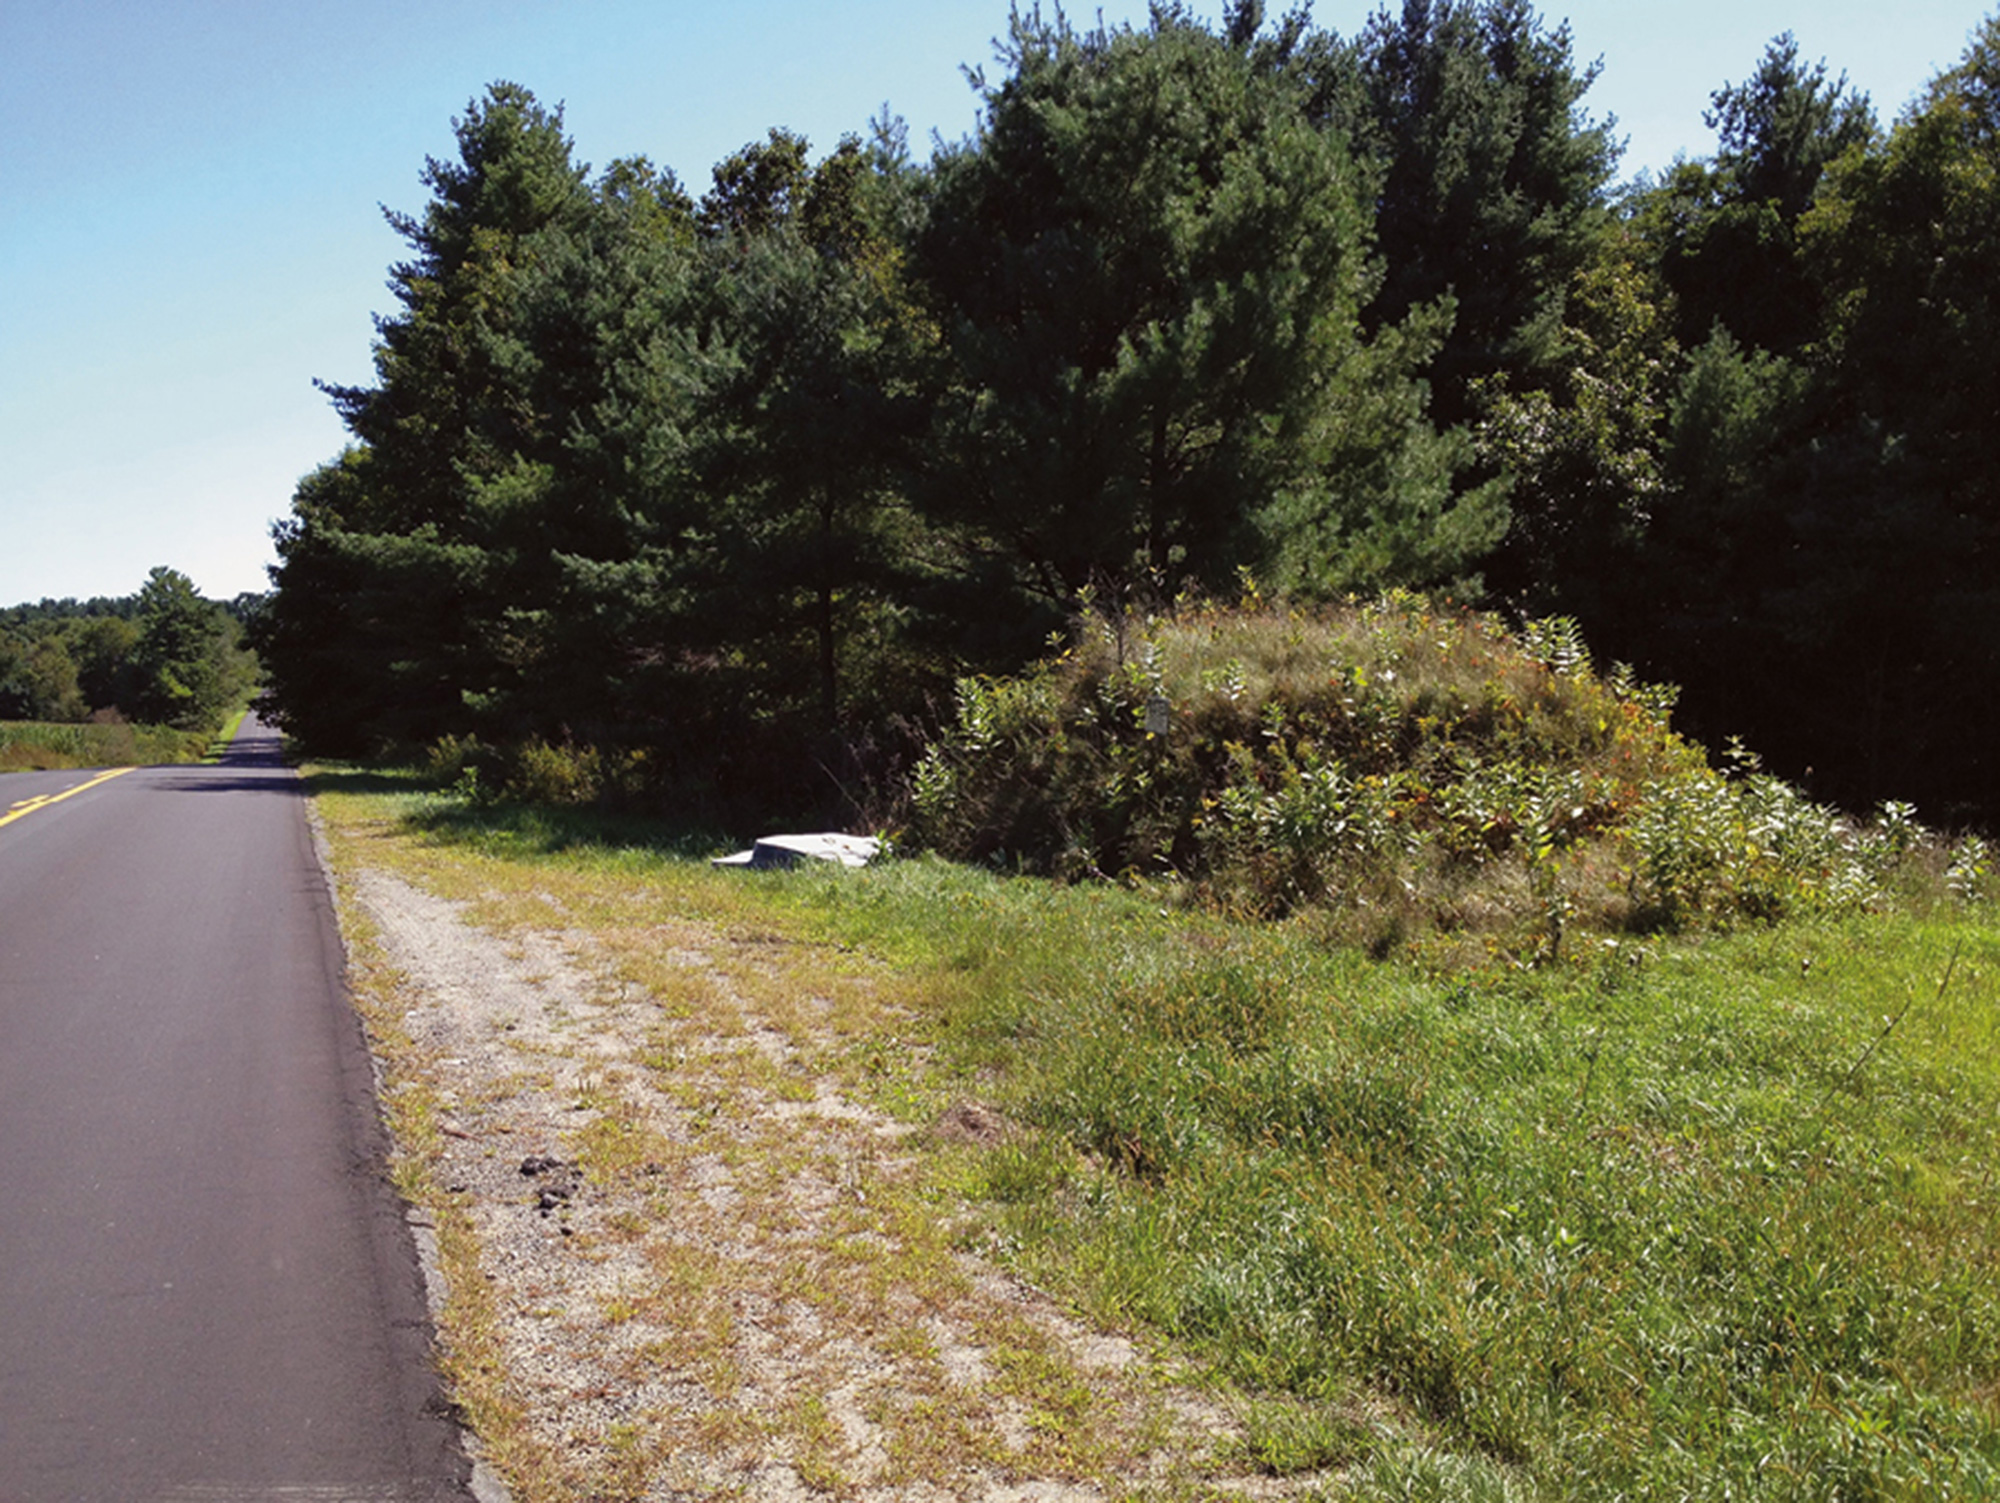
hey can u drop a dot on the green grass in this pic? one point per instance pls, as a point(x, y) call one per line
point(27, 746)
point(1676, 1217)
point(218, 746)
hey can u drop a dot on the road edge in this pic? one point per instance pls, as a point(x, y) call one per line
point(486, 1484)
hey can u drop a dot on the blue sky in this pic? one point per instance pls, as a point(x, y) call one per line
point(189, 199)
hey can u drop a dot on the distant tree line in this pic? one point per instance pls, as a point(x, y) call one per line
point(164, 656)
point(728, 490)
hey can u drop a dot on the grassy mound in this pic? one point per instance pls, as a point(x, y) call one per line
point(1404, 772)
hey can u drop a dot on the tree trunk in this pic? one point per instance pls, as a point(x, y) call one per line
point(829, 684)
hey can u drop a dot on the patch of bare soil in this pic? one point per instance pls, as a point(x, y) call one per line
point(721, 1275)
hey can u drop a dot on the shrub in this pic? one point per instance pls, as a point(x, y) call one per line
point(543, 773)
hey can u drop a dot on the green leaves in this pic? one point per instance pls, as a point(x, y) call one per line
point(188, 666)
point(1491, 180)
point(1149, 270)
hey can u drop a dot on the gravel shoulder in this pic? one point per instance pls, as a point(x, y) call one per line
point(686, 1251)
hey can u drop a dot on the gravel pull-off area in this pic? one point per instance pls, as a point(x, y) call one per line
point(719, 1274)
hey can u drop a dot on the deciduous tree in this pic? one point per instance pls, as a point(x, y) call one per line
point(188, 667)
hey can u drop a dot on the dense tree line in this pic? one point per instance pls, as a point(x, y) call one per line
point(164, 656)
point(725, 489)
point(1788, 501)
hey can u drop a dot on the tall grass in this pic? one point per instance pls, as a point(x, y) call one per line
point(1668, 1221)
point(32, 745)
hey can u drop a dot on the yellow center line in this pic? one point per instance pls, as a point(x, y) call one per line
point(28, 806)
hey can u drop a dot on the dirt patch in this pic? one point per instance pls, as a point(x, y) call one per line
point(717, 1272)
point(972, 1122)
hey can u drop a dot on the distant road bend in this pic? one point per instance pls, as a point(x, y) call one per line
point(207, 1288)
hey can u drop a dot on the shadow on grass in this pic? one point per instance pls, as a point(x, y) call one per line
point(349, 778)
point(548, 831)
point(522, 829)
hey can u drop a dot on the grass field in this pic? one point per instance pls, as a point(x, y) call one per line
point(1676, 1217)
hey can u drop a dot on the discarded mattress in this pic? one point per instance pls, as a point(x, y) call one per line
point(777, 851)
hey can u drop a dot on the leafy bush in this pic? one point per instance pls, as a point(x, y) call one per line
point(1970, 869)
point(543, 773)
point(535, 771)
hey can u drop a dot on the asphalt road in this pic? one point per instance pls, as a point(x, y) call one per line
point(207, 1287)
